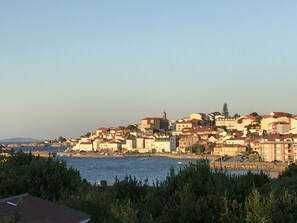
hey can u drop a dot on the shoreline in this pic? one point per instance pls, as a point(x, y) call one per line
point(254, 166)
point(165, 155)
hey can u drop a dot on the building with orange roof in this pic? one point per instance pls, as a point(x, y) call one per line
point(229, 150)
point(274, 117)
point(197, 116)
point(164, 143)
point(154, 123)
point(293, 125)
point(185, 124)
point(85, 146)
point(244, 121)
point(186, 140)
point(229, 123)
point(277, 147)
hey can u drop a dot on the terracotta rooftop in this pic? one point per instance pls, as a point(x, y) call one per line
point(240, 120)
point(199, 129)
point(152, 118)
point(276, 115)
point(281, 114)
point(34, 209)
point(250, 117)
point(273, 137)
point(226, 119)
point(103, 129)
point(86, 143)
point(237, 138)
point(184, 122)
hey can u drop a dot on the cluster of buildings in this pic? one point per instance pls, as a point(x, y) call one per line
point(272, 136)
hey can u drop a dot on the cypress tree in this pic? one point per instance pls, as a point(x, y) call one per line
point(225, 110)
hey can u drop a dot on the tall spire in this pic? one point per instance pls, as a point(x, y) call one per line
point(164, 115)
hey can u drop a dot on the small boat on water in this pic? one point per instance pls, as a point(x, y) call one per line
point(182, 163)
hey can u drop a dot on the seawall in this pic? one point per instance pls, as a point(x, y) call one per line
point(278, 167)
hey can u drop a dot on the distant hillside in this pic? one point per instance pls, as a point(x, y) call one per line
point(19, 140)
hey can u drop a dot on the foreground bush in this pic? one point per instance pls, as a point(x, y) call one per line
point(193, 194)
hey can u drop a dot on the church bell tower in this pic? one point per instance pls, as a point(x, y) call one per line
point(164, 117)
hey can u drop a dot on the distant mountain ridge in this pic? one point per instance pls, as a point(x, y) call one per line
point(16, 140)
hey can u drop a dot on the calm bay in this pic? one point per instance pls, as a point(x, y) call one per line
point(95, 169)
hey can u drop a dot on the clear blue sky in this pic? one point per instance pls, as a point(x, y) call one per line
point(69, 67)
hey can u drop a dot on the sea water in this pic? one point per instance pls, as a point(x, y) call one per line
point(109, 168)
point(95, 169)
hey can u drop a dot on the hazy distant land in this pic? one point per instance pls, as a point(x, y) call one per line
point(19, 140)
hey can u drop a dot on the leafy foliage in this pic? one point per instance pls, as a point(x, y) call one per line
point(194, 194)
point(38, 176)
point(196, 148)
point(132, 128)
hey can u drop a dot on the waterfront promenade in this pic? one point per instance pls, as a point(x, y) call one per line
point(93, 154)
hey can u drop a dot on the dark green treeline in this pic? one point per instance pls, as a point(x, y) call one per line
point(194, 194)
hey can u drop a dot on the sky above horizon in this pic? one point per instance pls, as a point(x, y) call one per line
point(69, 67)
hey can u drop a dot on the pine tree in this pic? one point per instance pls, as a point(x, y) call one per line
point(225, 110)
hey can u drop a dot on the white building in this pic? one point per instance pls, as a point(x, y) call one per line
point(110, 146)
point(236, 141)
point(149, 143)
point(85, 146)
point(130, 144)
point(165, 144)
point(140, 143)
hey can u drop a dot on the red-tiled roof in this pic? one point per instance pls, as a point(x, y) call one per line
point(281, 114)
point(238, 138)
point(276, 115)
point(227, 119)
point(287, 136)
point(250, 117)
point(184, 122)
point(102, 128)
point(86, 143)
point(121, 127)
point(151, 118)
point(253, 140)
point(199, 129)
point(34, 209)
point(240, 120)
point(185, 136)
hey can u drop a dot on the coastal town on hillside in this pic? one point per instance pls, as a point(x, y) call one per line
point(268, 138)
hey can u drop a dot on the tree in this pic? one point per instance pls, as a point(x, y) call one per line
point(225, 110)
point(216, 113)
point(211, 146)
point(195, 193)
point(61, 139)
point(132, 128)
point(207, 122)
point(256, 210)
point(255, 114)
point(46, 178)
point(88, 134)
point(196, 148)
point(236, 116)
point(259, 118)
